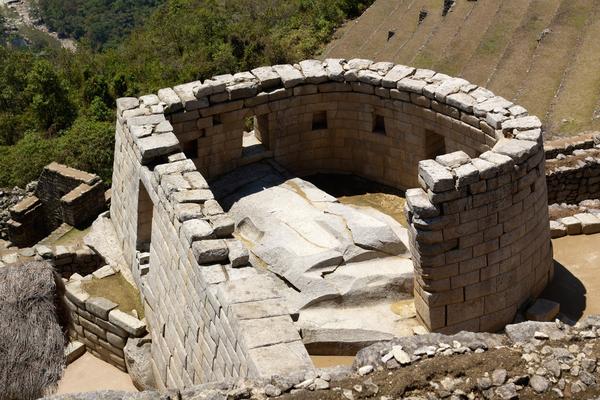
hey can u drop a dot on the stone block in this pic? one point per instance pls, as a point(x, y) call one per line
point(590, 224)
point(454, 159)
point(188, 211)
point(154, 146)
point(557, 229)
point(73, 351)
point(289, 75)
point(104, 272)
point(268, 361)
point(210, 251)
point(398, 72)
point(436, 176)
point(313, 71)
point(223, 225)
point(127, 322)
point(76, 294)
point(238, 254)
point(419, 203)
point(100, 307)
point(197, 229)
point(572, 224)
point(281, 330)
point(543, 310)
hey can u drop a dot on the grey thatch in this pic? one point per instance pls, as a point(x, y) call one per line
point(33, 326)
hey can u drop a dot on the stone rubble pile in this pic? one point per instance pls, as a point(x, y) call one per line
point(9, 198)
point(555, 360)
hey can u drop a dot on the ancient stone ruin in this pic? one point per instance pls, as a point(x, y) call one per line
point(224, 299)
point(63, 195)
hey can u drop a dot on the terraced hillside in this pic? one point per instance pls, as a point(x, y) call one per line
point(543, 54)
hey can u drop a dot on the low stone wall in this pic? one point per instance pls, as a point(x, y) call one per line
point(67, 260)
point(99, 325)
point(574, 178)
point(63, 194)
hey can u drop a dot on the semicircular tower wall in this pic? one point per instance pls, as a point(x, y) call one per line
point(472, 165)
point(478, 224)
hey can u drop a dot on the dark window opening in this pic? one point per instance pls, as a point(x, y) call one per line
point(319, 120)
point(256, 140)
point(216, 120)
point(379, 124)
point(190, 149)
point(144, 220)
point(435, 145)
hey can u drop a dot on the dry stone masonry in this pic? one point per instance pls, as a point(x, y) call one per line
point(63, 194)
point(478, 219)
point(98, 323)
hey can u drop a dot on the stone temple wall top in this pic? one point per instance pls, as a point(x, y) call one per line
point(478, 219)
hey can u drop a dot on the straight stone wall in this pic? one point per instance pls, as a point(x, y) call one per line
point(206, 308)
point(100, 326)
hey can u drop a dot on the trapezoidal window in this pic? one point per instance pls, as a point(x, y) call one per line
point(319, 120)
point(144, 220)
point(435, 145)
point(379, 124)
point(190, 149)
point(256, 138)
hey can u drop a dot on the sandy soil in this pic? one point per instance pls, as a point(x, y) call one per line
point(89, 373)
point(577, 283)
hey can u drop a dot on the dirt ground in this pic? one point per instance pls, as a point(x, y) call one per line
point(89, 373)
point(577, 283)
point(416, 379)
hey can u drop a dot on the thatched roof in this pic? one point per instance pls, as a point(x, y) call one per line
point(32, 330)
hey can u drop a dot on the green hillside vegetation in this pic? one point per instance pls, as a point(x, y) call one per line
point(99, 22)
point(59, 106)
point(542, 54)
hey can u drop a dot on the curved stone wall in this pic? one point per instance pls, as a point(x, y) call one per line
point(478, 220)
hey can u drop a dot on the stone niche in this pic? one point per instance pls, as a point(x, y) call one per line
point(63, 194)
point(471, 162)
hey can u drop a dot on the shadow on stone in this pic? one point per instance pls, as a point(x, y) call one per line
point(567, 290)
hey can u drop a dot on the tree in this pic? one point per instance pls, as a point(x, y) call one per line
point(50, 101)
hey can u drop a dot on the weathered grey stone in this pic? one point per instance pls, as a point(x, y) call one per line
point(370, 77)
point(199, 196)
point(100, 307)
point(174, 167)
point(454, 159)
point(155, 146)
point(466, 174)
point(419, 203)
point(141, 120)
point(188, 211)
point(208, 87)
point(313, 71)
point(522, 123)
point(238, 254)
point(503, 162)
point(590, 224)
point(572, 224)
point(557, 229)
point(437, 178)
point(127, 103)
point(289, 75)
point(242, 90)
point(210, 251)
point(73, 351)
point(188, 97)
point(281, 330)
point(539, 383)
point(128, 323)
point(223, 225)
point(335, 70)
point(462, 101)
point(518, 150)
point(543, 310)
point(411, 85)
point(138, 358)
point(197, 229)
point(267, 77)
point(486, 169)
point(448, 87)
point(172, 102)
point(104, 272)
point(398, 72)
point(491, 104)
point(524, 331)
